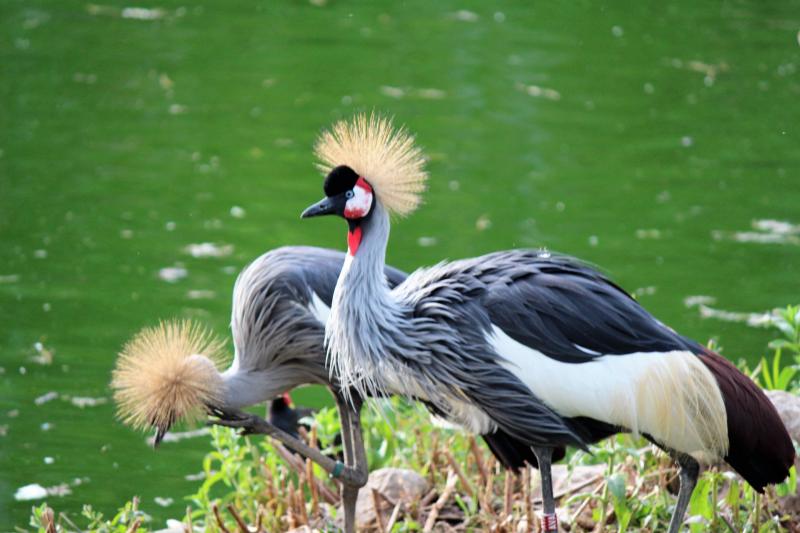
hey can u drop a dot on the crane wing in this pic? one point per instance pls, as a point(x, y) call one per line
point(569, 311)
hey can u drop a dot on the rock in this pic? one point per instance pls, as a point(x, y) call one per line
point(788, 407)
point(396, 485)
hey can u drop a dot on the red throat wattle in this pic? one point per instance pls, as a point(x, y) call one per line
point(353, 240)
point(287, 398)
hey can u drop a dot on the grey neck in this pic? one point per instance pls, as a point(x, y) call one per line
point(365, 318)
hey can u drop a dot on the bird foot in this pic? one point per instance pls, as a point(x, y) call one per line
point(249, 424)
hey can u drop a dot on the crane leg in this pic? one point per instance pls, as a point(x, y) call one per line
point(549, 518)
point(689, 470)
point(354, 456)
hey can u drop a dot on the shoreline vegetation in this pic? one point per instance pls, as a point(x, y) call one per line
point(429, 478)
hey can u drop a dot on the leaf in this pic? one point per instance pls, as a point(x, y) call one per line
point(616, 485)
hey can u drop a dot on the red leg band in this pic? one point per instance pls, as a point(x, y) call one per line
point(549, 523)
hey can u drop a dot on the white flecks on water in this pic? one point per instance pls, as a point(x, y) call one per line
point(172, 274)
point(46, 426)
point(177, 109)
point(3, 430)
point(9, 278)
point(617, 31)
point(687, 141)
point(425, 93)
point(126, 233)
point(44, 398)
point(208, 249)
point(170, 225)
point(649, 233)
point(767, 231)
point(465, 16)
point(645, 291)
point(703, 304)
point(34, 491)
point(199, 294)
point(195, 477)
point(499, 16)
point(238, 212)
point(44, 355)
point(594, 240)
point(230, 269)
point(141, 13)
point(539, 92)
point(454, 185)
point(40, 254)
point(86, 401)
point(214, 223)
point(392, 92)
point(163, 502)
point(427, 242)
point(483, 223)
point(49, 460)
point(177, 436)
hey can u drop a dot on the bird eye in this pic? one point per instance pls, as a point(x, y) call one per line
point(349, 194)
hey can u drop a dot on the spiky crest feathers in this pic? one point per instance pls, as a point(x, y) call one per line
point(384, 155)
point(168, 373)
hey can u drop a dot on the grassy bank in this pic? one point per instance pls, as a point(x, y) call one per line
point(624, 484)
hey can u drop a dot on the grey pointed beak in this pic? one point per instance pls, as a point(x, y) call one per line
point(323, 207)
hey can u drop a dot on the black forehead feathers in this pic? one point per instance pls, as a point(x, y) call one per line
point(339, 180)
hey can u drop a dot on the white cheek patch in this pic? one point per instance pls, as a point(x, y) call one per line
point(358, 206)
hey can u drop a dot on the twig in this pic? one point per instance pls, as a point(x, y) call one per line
point(49, 520)
point(259, 517)
point(294, 462)
point(132, 529)
point(291, 509)
point(585, 502)
point(394, 516)
point(188, 527)
point(301, 504)
point(428, 498)
point(239, 522)
point(464, 482)
point(452, 478)
point(312, 484)
point(378, 513)
point(507, 495)
point(476, 451)
point(526, 493)
point(220, 523)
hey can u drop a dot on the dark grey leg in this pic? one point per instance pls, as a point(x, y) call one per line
point(354, 456)
point(549, 518)
point(689, 471)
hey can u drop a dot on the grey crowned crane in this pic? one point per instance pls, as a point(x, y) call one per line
point(539, 346)
point(280, 305)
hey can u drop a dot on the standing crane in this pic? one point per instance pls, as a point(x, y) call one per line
point(540, 346)
point(280, 305)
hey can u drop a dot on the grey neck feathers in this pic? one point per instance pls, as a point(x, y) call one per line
point(278, 342)
point(365, 318)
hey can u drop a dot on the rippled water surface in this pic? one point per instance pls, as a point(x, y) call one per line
point(148, 152)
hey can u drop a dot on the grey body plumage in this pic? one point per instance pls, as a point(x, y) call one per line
point(427, 339)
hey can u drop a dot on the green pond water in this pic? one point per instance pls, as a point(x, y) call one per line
point(659, 142)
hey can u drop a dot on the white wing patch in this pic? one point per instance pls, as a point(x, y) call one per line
point(671, 396)
point(318, 308)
